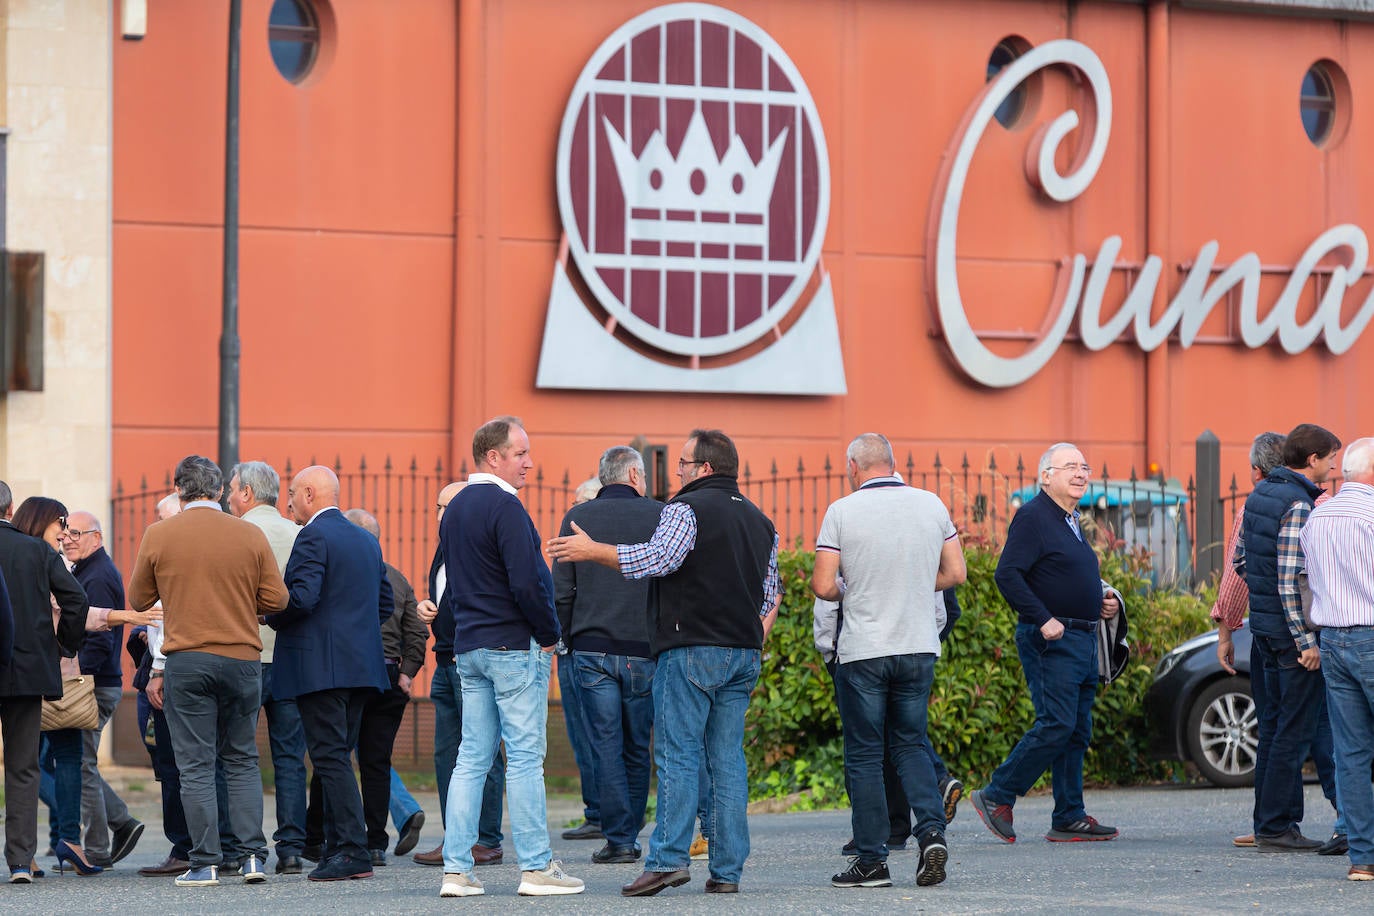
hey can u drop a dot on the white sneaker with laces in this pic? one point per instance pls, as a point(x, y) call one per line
point(461, 886)
point(550, 881)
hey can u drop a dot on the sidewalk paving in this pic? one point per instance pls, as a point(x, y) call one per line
point(1174, 856)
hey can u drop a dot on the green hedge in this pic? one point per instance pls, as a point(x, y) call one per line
point(979, 704)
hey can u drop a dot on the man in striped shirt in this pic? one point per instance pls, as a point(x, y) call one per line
point(1338, 545)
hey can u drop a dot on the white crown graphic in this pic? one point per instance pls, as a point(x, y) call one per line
point(696, 182)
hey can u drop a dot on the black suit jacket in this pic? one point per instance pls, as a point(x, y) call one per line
point(32, 572)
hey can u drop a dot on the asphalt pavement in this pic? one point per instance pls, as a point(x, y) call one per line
point(1174, 855)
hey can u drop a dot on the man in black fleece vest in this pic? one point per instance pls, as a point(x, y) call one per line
point(715, 556)
point(605, 621)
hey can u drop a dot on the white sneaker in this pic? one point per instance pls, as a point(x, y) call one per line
point(548, 882)
point(461, 886)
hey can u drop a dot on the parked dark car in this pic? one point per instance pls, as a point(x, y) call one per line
point(1197, 712)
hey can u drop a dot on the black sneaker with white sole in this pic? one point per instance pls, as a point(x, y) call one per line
point(874, 874)
point(934, 856)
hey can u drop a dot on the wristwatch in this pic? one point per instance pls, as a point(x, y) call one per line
point(154, 673)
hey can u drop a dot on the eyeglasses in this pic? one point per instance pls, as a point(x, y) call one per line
point(75, 534)
point(687, 464)
point(1083, 469)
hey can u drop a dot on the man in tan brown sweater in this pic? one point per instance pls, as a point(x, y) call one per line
point(215, 575)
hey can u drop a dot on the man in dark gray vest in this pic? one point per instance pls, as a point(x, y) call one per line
point(716, 557)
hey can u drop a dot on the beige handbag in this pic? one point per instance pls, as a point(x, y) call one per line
point(76, 708)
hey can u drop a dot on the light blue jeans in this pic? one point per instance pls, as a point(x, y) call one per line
point(505, 698)
point(1348, 661)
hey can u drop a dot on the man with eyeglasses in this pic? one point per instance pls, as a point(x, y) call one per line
point(1048, 573)
point(446, 695)
point(102, 809)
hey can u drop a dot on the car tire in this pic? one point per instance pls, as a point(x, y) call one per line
point(1223, 733)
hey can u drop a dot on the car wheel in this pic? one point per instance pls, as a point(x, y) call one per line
point(1223, 733)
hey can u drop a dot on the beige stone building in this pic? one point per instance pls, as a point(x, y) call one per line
point(56, 104)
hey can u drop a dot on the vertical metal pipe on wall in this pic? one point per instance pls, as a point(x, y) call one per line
point(1157, 190)
point(229, 321)
point(465, 382)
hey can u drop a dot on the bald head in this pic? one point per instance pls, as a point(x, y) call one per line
point(313, 489)
point(446, 496)
point(168, 506)
point(365, 520)
point(82, 536)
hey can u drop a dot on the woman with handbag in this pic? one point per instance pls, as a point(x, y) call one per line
point(64, 719)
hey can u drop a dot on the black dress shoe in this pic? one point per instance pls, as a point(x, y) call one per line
point(587, 830)
point(289, 865)
point(410, 833)
point(341, 868)
point(610, 855)
point(312, 852)
point(1290, 840)
point(721, 887)
point(124, 840)
point(1338, 845)
point(651, 882)
point(378, 856)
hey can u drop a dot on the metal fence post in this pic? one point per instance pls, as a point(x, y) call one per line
point(1210, 533)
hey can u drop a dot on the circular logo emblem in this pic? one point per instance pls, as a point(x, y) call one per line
point(693, 180)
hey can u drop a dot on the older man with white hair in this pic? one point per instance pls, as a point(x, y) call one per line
point(1338, 550)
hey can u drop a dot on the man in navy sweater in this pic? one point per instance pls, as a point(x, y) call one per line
point(505, 631)
point(1048, 573)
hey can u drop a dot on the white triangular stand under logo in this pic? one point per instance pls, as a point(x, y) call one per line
point(579, 352)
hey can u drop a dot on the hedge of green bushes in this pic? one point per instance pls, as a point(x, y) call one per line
point(979, 704)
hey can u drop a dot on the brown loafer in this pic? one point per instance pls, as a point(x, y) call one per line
point(721, 887)
point(168, 867)
point(1361, 873)
point(651, 882)
point(1245, 842)
point(483, 855)
point(433, 857)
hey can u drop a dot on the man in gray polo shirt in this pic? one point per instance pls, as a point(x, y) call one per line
point(886, 548)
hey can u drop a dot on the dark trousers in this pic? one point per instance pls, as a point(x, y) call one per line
point(382, 714)
point(1292, 697)
point(579, 736)
point(883, 710)
point(332, 719)
point(286, 740)
point(19, 729)
point(616, 696)
point(211, 703)
point(168, 776)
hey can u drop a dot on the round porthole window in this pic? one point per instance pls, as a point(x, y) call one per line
point(1324, 104)
point(1014, 107)
point(293, 34)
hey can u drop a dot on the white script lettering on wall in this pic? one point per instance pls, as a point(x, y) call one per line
point(1082, 294)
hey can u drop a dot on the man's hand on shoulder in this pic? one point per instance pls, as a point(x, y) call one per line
point(578, 547)
point(1052, 629)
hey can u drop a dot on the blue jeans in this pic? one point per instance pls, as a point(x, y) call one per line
point(616, 695)
point(1061, 675)
point(286, 738)
point(168, 777)
point(579, 736)
point(883, 711)
point(1348, 660)
point(446, 693)
point(701, 694)
point(403, 805)
point(61, 753)
point(1293, 694)
point(505, 698)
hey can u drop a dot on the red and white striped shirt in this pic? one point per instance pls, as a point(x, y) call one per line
point(1338, 549)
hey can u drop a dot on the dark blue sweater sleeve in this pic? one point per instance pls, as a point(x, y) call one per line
point(530, 582)
point(1023, 548)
